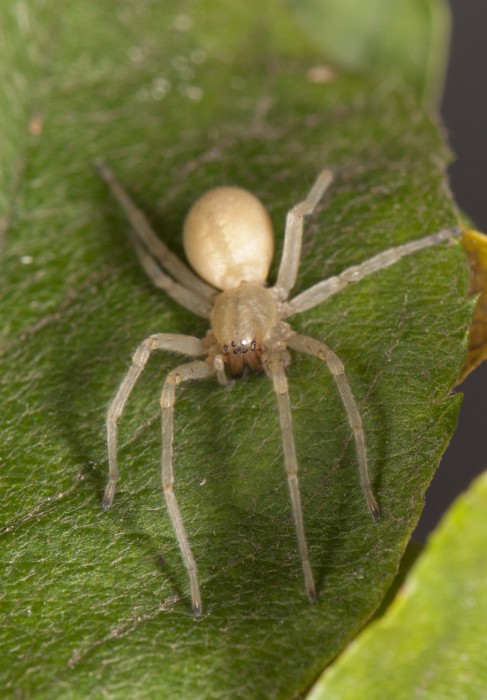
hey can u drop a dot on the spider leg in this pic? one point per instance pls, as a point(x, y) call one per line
point(184, 344)
point(197, 369)
point(313, 347)
point(274, 367)
point(184, 296)
point(147, 237)
point(327, 288)
point(291, 253)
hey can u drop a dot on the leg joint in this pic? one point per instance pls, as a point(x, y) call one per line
point(142, 353)
point(335, 365)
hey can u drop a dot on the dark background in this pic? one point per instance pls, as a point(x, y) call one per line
point(464, 112)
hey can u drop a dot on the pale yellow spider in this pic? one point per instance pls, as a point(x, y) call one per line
point(228, 240)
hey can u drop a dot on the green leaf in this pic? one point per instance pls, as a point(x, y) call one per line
point(431, 642)
point(180, 97)
point(403, 43)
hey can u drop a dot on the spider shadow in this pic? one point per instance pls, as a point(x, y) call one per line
point(84, 455)
point(347, 504)
point(246, 500)
point(81, 436)
point(92, 469)
point(334, 532)
point(77, 406)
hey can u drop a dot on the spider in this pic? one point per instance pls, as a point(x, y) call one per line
point(228, 239)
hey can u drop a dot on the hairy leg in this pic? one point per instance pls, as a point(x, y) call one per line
point(327, 288)
point(310, 346)
point(192, 370)
point(185, 344)
point(274, 367)
point(288, 268)
point(184, 296)
point(146, 236)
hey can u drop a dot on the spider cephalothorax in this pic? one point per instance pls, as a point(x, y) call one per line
point(228, 240)
point(241, 320)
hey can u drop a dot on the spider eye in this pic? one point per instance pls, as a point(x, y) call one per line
point(238, 347)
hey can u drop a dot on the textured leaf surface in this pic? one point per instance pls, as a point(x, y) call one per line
point(179, 98)
point(431, 642)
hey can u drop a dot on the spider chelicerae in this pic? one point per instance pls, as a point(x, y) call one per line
point(228, 239)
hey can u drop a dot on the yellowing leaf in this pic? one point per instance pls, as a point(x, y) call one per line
point(475, 245)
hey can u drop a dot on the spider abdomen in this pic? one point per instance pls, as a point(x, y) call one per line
point(241, 319)
point(228, 238)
